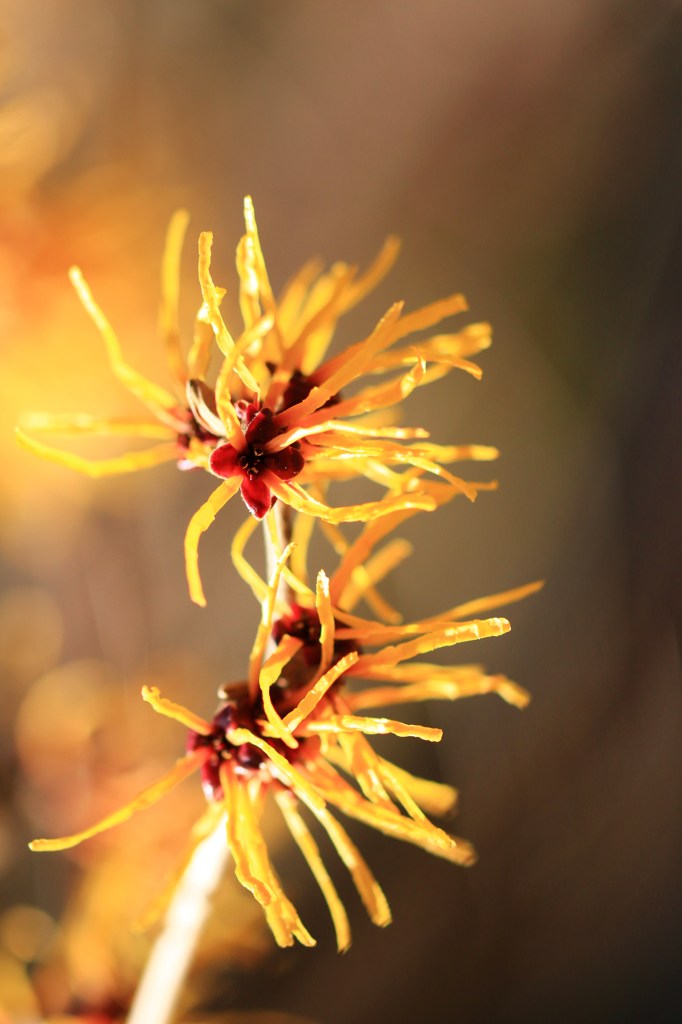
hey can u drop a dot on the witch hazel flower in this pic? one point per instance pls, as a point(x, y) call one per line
point(184, 421)
point(295, 730)
point(289, 424)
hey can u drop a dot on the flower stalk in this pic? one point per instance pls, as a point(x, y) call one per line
point(163, 979)
point(162, 982)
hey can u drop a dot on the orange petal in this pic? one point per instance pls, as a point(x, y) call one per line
point(265, 625)
point(198, 524)
point(294, 495)
point(243, 567)
point(170, 286)
point(478, 629)
point(81, 423)
point(483, 604)
point(183, 767)
point(294, 778)
point(95, 468)
point(309, 848)
point(369, 890)
point(163, 706)
point(314, 695)
point(269, 674)
point(373, 727)
point(157, 398)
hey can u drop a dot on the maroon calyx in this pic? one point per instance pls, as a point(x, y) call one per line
point(299, 387)
point(238, 712)
point(304, 624)
point(254, 462)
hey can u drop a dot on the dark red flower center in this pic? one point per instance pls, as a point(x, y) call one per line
point(304, 625)
point(254, 459)
point(238, 712)
point(299, 387)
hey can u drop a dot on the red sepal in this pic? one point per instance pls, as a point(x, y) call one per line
point(257, 496)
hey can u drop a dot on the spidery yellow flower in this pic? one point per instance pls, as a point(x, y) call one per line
point(278, 420)
point(295, 730)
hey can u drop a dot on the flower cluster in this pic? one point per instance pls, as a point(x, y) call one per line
point(280, 421)
point(276, 418)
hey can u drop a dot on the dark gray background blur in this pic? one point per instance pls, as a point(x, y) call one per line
point(528, 154)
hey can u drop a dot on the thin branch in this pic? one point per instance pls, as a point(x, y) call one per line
point(171, 956)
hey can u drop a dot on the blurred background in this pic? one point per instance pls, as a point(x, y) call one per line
point(529, 155)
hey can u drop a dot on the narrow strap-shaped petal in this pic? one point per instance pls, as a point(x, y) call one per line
point(199, 355)
point(418, 320)
point(379, 566)
point(237, 839)
point(391, 823)
point(435, 798)
point(273, 666)
point(383, 696)
point(211, 297)
point(321, 322)
point(362, 760)
point(247, 339)
point(369, 890)
point(184, 767)
point(265, 289)
point(353, 364)
point(315, 694)
point(343, 429)
point(303, 838)
point(249, 300)
point(247, 572)
point(471, 340)
point(293, 777)
point(359, 583)
point(179, 713)
point(394, 785)
point(377, 396)
point(373, 727)
point(269, 674)
point(478, 629)
point(170, 286)
point(157, 398)
point(265, 626)
point(361, 548)
point(290, 306)
point(483, 604)
point(256, 870)
point(301, 534)
point(389, 451)
point(374, 274)
point(198, 524)
point(96, 468)
point(294, 495)
point(425, 317)
point(436, 682)
point(80, 423)
point(325, 614)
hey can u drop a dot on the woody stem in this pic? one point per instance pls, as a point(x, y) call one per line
point(162, 981)
point(166, 969)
